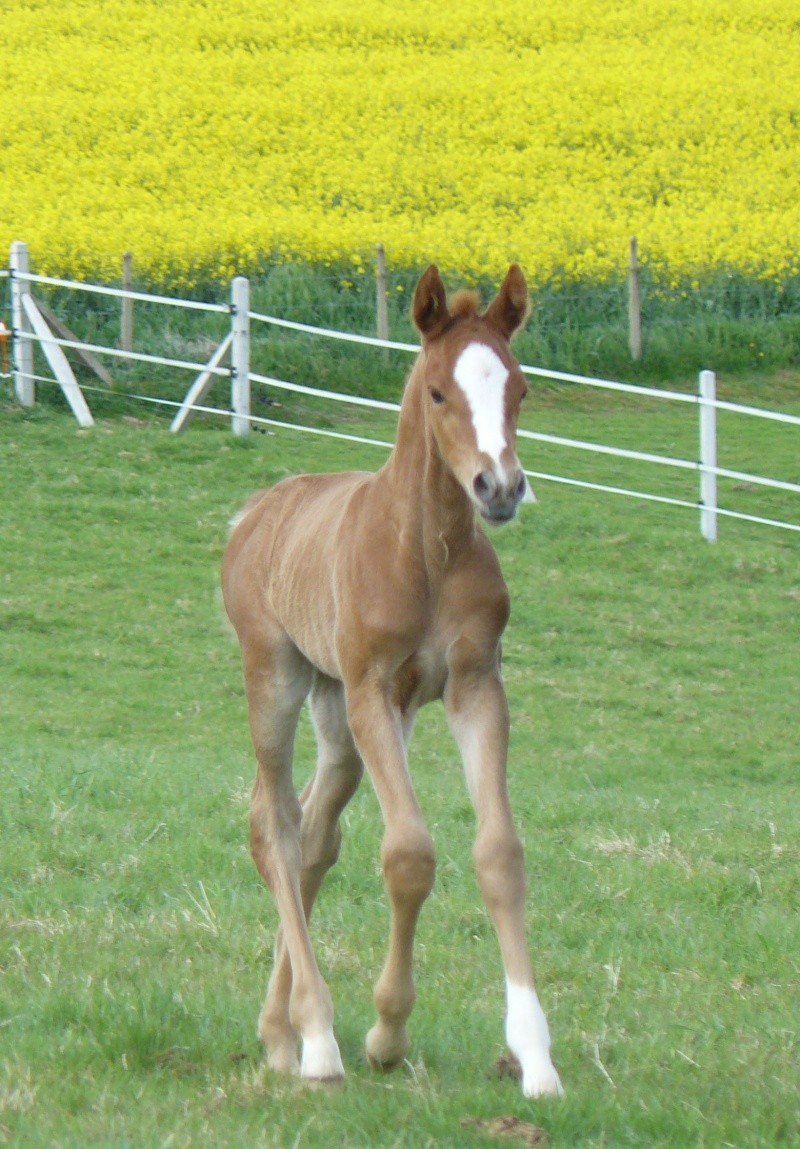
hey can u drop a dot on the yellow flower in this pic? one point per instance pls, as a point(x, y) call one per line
point(211, 141)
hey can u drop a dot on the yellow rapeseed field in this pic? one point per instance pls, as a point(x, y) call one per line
point(211, 138)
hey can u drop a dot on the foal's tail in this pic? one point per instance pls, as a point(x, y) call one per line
point(242, 514)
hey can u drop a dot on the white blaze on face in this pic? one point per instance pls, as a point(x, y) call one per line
point(481, 375)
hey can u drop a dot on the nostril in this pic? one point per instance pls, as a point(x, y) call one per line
point(521, 487)
point(484, 485)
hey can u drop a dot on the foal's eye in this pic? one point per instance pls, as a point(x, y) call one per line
point(437, 396)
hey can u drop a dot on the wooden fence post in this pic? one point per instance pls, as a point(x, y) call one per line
point(708, 455)
point(240, 355)
point(126, 320)
point(634, 305)
point(24, 386)
point(381, 306)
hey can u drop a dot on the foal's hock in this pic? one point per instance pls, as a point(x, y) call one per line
point(375, 594)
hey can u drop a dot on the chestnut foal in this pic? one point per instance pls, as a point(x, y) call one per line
point(378, 593)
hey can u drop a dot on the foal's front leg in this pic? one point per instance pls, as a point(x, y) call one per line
point(478, 716)
point(408, 861)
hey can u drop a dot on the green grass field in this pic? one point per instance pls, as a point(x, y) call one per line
point(654, 770)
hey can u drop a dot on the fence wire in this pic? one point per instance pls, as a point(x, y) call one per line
point(215, 312)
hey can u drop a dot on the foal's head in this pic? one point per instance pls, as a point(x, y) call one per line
point(474, 388)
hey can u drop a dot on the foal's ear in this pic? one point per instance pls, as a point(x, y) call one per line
point(510, 307)
point(430, 304)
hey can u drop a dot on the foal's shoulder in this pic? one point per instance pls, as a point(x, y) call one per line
point(475, 583)
point(482, 556)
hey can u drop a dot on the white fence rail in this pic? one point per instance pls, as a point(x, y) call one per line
point(31, 328)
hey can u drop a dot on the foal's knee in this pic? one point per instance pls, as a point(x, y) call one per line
point(274, 831)
point(500, 866)
point(409, 864)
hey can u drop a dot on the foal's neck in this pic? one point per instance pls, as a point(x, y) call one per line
point(435, 512)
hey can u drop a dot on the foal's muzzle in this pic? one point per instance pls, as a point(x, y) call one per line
point(498, 499)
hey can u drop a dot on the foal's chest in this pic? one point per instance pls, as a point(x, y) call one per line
point(421, 678)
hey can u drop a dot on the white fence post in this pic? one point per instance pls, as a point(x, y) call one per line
point(708, 455)
point(24, 387)
point(59, 364)
point(201, 386)
point(240, 355)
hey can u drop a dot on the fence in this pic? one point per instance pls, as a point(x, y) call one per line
point(34, 325)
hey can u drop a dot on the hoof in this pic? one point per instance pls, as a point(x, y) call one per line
point(280, 1043)
point(322, 1061)
point(541, 1080)
point(323, 1084)
point(387, 1048)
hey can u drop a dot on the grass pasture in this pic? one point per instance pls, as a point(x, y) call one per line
point(653, 684)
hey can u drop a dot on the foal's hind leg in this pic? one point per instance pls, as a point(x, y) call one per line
point(335, 780)
point(277, 679)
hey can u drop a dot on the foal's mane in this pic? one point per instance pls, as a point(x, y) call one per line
point(464, 304)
